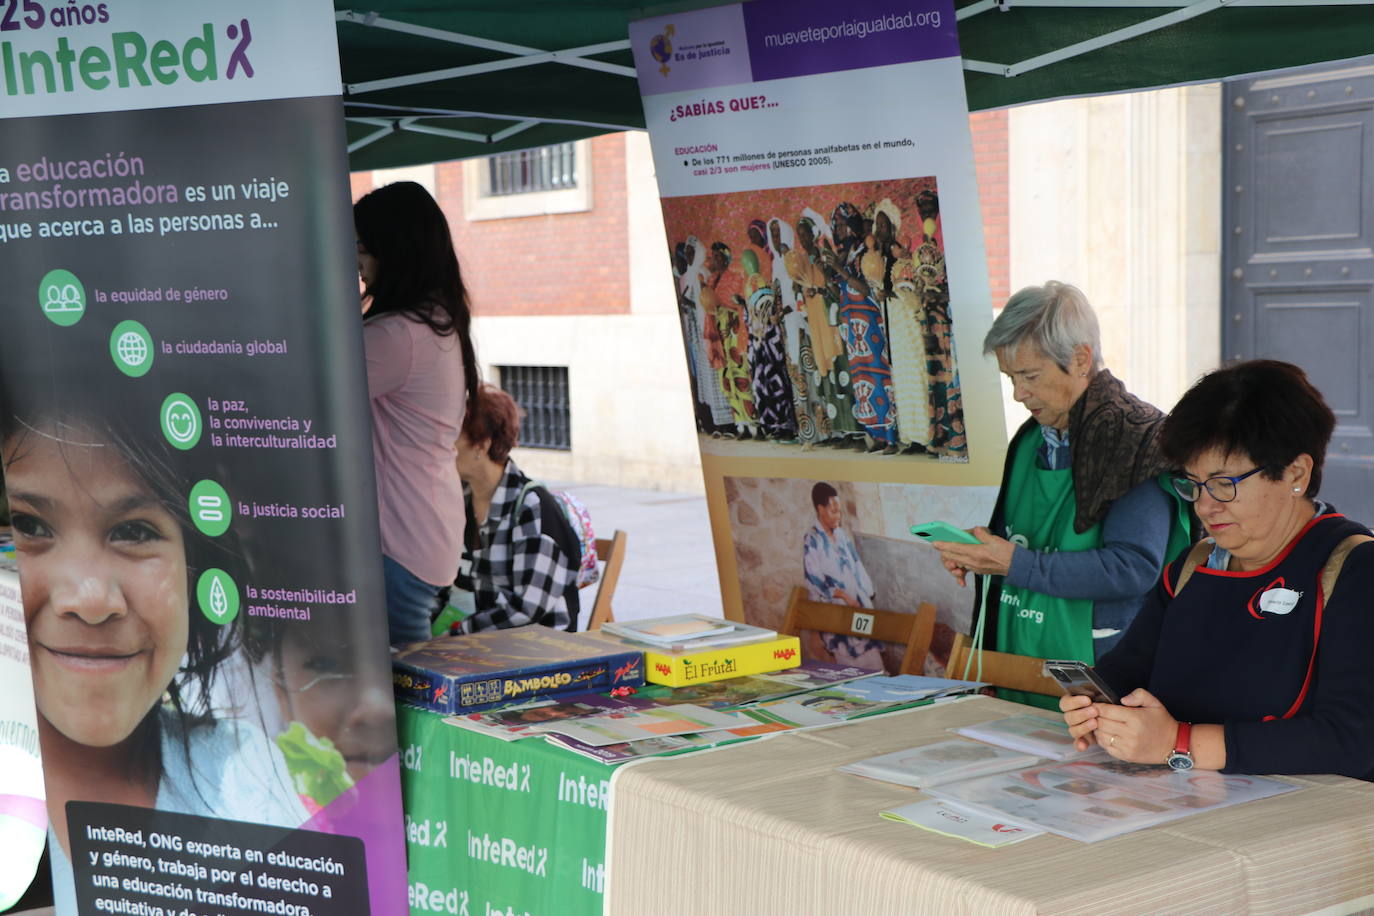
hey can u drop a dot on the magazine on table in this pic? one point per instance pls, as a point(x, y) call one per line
point(857, 699)
point(758, 688)
point(669, 744)
point(939, 763)
point(529, 719)
point(941, 817)
point(514, 722)
point(1092, 800)
point(615, 728)
point(688, 631)
point(1029, 734)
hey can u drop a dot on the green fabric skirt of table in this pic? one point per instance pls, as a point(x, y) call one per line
point(495, 825)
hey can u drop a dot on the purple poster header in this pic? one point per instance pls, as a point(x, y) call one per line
point(773, 39)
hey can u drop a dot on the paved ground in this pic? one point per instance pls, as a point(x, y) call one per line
point(670, 565)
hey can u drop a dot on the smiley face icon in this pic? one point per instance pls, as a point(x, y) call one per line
point(180, 421)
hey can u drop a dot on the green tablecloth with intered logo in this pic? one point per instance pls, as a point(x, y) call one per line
point(508, 827)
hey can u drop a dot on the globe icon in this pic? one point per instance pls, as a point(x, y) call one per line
point(660, 48)
point(132, 348)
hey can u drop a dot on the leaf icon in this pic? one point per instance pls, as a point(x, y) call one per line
point(219, 600)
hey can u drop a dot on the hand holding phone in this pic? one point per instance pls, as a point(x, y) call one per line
point(943, 531)
point(1079, 679)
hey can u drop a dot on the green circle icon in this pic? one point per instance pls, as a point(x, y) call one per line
point(180, 421)
point(211, 511)
point(217, 596)
point(62, 297)
point(131, 348)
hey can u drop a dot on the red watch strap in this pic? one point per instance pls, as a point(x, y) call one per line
point(1185, 735)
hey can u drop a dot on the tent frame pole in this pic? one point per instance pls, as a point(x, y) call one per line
point(1187, 9)
point(521, 55)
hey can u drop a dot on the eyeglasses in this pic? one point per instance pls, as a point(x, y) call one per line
point(1222, 489)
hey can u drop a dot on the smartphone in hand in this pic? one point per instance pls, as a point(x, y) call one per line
point(943, 531)
point(1079, 679)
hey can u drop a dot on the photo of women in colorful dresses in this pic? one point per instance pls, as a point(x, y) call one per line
point(819, 318)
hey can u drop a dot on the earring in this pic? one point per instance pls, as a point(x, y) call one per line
point(1297, 489)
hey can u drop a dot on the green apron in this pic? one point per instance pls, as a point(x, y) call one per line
point(1039, 514)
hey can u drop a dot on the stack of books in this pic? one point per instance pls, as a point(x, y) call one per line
point(688, 649)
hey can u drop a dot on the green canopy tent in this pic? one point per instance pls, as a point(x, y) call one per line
point(433, 80)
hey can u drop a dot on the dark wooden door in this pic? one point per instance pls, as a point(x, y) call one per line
point(1298, 269)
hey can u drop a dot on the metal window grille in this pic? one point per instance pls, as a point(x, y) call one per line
point(542, 392)
point(549, 168)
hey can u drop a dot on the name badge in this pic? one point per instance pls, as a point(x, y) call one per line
point(1279, 601)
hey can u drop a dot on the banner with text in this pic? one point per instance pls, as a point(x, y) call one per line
point(816, 170)
point(187, 451)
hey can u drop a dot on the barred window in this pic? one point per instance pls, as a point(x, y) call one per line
point(548, 168)
point(542, 392)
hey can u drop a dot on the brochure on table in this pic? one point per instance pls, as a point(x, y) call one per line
point(816, 173)
point(1093, 800)
point(185, 429)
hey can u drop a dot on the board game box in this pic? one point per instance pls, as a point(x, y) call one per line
point(461, 674)
point(686, 667)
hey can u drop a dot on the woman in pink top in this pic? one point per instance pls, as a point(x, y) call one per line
point(422, 375)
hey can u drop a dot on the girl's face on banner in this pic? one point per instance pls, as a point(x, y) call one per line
point(103, 574)
point(321, 687)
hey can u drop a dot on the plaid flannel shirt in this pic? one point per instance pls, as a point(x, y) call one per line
point(516, 572)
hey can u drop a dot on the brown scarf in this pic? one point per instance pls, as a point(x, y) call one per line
point(1115, 440)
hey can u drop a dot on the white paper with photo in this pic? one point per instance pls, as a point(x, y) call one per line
point(952, 820)
point(1094, 800)
point(1029, 734)
point(940, 763)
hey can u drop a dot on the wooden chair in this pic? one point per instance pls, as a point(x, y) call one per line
point(912, 630)
point(612, 552)
point(1001, 669)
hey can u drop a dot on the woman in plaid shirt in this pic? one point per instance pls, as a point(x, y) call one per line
point(514, 571)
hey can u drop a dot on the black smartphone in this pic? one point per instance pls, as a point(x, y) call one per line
point(1078, 679)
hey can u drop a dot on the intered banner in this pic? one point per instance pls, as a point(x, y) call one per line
point(188, 458)
point(817, 177)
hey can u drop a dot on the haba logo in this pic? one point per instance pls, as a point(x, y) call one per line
point(663, 669)
point(785, 654)
point(661, 48)
point(1007, 828)
point(626, 670)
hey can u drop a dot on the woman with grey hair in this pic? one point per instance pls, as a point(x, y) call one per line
point(1084, 522)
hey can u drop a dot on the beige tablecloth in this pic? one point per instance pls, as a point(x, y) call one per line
point(772, 827)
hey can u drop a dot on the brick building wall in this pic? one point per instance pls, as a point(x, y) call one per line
point(990, 160)
point(556, 264)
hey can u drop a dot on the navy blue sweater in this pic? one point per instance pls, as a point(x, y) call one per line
point(1213, 655)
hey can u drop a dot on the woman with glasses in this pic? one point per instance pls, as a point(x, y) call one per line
point(1251, 655)
point(1082, 526)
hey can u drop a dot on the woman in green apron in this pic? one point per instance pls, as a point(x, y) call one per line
point(1082, 526)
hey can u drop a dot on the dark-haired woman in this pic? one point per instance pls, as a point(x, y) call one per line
point(422, 376)
point(1252, 653)
point(122, 665)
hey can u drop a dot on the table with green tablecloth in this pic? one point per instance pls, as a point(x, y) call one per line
point(498, 826)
